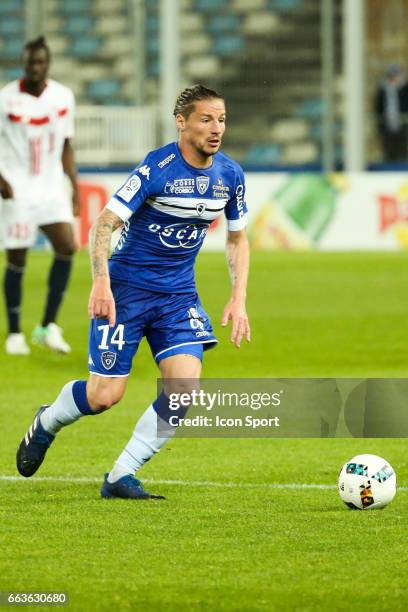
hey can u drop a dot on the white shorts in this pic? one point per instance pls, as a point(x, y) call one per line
point(20, 220)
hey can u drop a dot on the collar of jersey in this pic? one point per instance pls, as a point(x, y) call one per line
point(22, 89)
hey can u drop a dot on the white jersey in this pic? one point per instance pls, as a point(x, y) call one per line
point(32, 134)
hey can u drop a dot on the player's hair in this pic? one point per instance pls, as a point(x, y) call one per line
point(37, 43)
point(185, 101)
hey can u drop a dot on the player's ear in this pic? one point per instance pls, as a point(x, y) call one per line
point(180, 122)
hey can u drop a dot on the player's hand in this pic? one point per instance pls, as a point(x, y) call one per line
point(236, 312)
point(101, 303)
point(6, 190)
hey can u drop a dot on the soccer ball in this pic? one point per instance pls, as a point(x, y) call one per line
point(367, 482)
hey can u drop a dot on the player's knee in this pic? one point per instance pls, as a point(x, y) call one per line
point(181, 386)
point(16, 258)
point(65, 250)
point(103, 398)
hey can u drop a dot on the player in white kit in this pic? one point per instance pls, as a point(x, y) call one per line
point(36, 125)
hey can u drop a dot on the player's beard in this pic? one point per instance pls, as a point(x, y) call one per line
point(206, 150)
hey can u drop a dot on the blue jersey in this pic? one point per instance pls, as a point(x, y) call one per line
point(167, 206)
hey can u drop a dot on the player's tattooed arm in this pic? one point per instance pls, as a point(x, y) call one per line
point(231, 265)
point(100, 242)
point(238, 265)
point(101, 303)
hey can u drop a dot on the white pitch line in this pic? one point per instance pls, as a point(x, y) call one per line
point(185, 483)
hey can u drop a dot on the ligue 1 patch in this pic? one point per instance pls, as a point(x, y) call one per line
point(200, 208)
point(130, 188)
point(108, 359)
point(202, 183)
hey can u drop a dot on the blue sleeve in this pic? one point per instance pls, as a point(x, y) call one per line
point(137, 188)
point(236, 209)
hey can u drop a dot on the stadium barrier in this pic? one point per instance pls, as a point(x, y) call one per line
point(113, 135)
point(337, 212)
point(361, 211)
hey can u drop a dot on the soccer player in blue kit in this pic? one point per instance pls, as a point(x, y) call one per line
point(147, 287)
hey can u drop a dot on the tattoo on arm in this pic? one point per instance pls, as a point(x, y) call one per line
point(100, 242)
point(231, 263)
point(238, 262)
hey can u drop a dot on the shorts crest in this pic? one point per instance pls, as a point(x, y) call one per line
point(108, 359)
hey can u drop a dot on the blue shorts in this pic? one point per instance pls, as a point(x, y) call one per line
point(172, 323)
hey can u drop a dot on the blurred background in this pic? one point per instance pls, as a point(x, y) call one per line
point(312, 87)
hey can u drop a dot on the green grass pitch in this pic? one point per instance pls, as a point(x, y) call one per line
point(258, 545)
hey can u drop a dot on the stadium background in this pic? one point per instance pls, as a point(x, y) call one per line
point(248, 524)
point(299, 79)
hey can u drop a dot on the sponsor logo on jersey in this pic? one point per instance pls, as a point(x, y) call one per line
point(169, 187)
point(202, 183)
point(179, 235)
point(166, 160)
point(194, 314)
point(145, 170)
point(220, 190)
point(197, 323)
point(180, 186)
point(240, 200)
point(108, 359)
point(130, 188)
point(123, 235)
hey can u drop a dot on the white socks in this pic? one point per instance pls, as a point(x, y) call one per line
point(62, 412)
point(143, 444)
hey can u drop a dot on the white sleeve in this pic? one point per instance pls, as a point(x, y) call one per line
point(119, 209)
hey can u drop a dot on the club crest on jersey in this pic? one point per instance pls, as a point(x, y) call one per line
point(202, 183)
point(108, 359)
point(200, 208)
